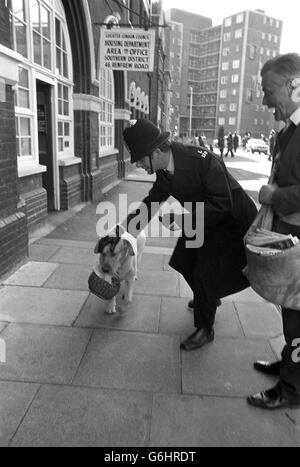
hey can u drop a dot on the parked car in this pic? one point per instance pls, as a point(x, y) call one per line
point(257, 145)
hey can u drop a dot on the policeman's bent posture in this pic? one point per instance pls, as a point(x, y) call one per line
point(194, 174)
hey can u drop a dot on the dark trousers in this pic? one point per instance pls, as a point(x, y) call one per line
point(229, 150)
point(290, 367)
point(205, 309)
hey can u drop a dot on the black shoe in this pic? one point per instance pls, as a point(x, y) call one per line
point(191, 304)
point(198, 339)
point(271, 399)
point(272, 369)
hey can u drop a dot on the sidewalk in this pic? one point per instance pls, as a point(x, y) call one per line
point(77, 377)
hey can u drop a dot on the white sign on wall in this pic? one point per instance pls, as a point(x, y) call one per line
point(127, 49)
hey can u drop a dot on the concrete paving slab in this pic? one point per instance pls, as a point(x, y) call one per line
point(227, 321)
point(247, 295)
point(40, 306)
point(277, 345)
point(128, 360)
point(70, 277)
point(152, 262)
point(32, 274)
point(43, 354)
point(15, 399)
point(185, 290)
point(181, 421)
point(42, 252)
point(175, 318)
point(161, 283)
point(58, 242)
point(162, 242)
point(78, 417)
point(167, 259)
point(142, 315)
point(259, 319)
point(225, 368)
point(70, 255)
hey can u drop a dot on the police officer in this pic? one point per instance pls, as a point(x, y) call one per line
point(196, 175)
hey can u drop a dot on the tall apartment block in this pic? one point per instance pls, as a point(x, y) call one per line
point(249, 39)
point(216, 72)
point(185, 66)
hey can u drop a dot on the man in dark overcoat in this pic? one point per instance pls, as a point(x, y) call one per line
point(196, 175)
point(281, 87)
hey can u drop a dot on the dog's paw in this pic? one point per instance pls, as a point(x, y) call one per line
point(111, 310)
point(126, 300)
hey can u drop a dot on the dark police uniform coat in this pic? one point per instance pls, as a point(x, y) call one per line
point(201, 176)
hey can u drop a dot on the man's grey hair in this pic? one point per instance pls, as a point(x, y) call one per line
point(287, 66)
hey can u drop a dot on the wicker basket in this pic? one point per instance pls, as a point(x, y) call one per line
point(102, 288)
point(275, 278)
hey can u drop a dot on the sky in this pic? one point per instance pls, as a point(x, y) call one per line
point(288, 12)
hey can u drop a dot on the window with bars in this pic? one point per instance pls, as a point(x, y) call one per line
point(18, 22)
point(64, 118)
point(61, 50)
point(106, 116)
point(24, 115)
point(22, 94)
point(41, 33)
point(24, 136)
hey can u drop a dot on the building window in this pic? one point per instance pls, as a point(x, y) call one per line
point(240, 18)
point(224, 80)
point(236, 64)
point(106, 115)
point(24, 115)
point(233, 107)
point(232, 121)
point(221, 121)
point(228, 22)
point(226, 52)
point(223, 94)
point(227, 36)
point(18, 23)
point(62, 67)
point(41, 34)
point(234, 92)
point(252, 52)
point(24, 136)
point(235, 79)
point(47, 35)
point(249, 95)
point(238, 34)
point(222, 107)
point(225, 66)
point(22, 95)
point(64, 118)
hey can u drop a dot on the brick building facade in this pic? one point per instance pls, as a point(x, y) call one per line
point(61, 116)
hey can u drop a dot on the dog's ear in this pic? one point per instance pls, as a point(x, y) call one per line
point(101, 244)
point(129, 248)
